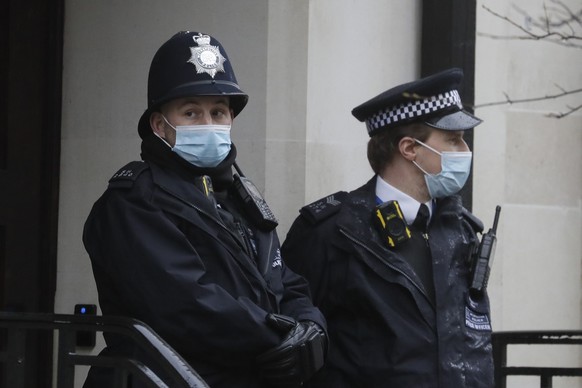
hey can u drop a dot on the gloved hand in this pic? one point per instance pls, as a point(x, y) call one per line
point(297, 357)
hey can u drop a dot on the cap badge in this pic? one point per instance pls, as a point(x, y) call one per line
point(205, 57)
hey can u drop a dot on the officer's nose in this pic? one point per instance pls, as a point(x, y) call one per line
point(206, 119)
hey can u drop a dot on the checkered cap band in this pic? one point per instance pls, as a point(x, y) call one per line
point(412, 109)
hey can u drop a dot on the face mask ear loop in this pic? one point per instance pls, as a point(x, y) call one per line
point(161, 138)
point(429, 147)
point(167, 122)
point(421, 169)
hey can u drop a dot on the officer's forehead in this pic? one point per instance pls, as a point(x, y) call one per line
point(199, 101)
point(446, 134)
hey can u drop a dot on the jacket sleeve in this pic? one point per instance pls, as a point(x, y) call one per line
point(146, 268)
point(297, 300)
point(304, 251)
point(309, 248)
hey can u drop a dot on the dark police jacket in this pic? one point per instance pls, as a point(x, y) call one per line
point(162, 254)
point(383, 330)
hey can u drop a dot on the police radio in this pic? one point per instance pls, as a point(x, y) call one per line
point(254, 203)
point(484, 259)
point(391, 224)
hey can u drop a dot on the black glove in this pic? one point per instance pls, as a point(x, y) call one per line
point(297, 357)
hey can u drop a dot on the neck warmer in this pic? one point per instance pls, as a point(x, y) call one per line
point(153, 149)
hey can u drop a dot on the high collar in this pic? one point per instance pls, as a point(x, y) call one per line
point(153, 149)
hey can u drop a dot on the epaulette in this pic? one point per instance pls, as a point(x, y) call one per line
point(475, 223)
point(321, 209)
point(128, 174)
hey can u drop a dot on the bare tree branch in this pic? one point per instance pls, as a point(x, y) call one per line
point(564, 16)
point(510, 101)
point(548, 34)
point(558, 25)
point(564, 114)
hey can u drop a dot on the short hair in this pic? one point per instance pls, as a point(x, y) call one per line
point(383, 146)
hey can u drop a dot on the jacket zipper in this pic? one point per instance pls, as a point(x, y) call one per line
point(425, 236)
point(360, 243)
point(221, 224)
point(217, 220)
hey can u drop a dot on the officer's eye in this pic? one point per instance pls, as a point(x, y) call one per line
point(220, 113)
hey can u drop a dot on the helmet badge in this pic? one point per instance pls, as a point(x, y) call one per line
point(205, 57)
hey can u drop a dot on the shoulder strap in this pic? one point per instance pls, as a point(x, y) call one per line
point(323, 208)
point(127, 175)
point(475, 222)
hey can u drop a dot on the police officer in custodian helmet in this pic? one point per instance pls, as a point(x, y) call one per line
point(182, 241)
point(390, 264)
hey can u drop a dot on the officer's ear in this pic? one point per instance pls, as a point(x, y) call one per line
point(158, 124)
point(407, 147)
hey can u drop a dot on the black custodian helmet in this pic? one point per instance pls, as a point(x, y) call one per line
point(190, 64)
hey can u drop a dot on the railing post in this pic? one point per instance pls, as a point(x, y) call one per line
point(15, 370)
point(500, 358)
point(66, 369)
point(120, 377)
point(546, 381)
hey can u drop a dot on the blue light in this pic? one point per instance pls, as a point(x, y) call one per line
point(83, 310)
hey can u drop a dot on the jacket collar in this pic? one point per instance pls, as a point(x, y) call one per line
point(185, 190)
point(386, 192)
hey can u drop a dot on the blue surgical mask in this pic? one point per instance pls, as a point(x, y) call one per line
point(455, 169)
point(202, 145)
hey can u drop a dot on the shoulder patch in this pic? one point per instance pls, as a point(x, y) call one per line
point(128, 174)
point(321, 209)
point(475, 223)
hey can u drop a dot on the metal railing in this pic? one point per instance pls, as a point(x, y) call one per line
point(501, 341)
point(176, 371)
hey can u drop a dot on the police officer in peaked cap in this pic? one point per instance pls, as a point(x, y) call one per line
point(390, 264)
point(182, 241)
